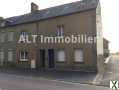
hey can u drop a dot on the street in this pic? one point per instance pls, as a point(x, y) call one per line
point(17, 82)
point(112, 71)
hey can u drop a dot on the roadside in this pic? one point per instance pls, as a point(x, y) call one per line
point(17, 82)
point(112, 71)
point(66, 76)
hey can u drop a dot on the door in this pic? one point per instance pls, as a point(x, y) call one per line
point(42, 58)
point(51, 58)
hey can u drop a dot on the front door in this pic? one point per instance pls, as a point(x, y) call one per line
point(51, 58)
point(42, 58)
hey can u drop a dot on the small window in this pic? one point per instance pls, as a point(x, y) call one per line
point(61, 56)
point(78, 55)
point(23, 55)
point(10, 56)
point(24, 34)
point(60, 30)
point(10, 36)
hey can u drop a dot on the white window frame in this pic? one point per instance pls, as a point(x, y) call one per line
point(60, 30)
point(10, 36)
point(24, 57)
point(78, 57)
point(24, 34)
point(61, 55)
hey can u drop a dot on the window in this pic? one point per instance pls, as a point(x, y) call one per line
point(24, 34)
point(10, 55)
point(10, 36)
point(2, 37)
point(23, 55)
point(1, 57)
point(60, 30)
point(61, 56)
point(78, 55)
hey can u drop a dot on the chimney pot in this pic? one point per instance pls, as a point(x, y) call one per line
point(34, 7)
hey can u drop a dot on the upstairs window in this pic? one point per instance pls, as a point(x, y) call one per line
point(60, 30)
point(24, 34)
point(23, 55)
point(10, 36)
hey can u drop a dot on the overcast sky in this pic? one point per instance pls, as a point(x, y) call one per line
point(110, 14)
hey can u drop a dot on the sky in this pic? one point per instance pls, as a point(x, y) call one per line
point(110, 15)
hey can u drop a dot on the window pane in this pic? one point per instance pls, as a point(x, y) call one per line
point(23, 55)
point(24, 34)
point(26, 55)
point(61, 55)
point(79, 55)
point(60, 30)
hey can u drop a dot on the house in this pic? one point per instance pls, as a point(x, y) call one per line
point(82, 17)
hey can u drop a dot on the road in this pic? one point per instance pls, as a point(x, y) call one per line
point(112, 71)
point(17, 82)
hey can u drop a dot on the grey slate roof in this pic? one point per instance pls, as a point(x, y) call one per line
point(52, 12)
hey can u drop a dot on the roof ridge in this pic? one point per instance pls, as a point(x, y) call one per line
point(54, 11)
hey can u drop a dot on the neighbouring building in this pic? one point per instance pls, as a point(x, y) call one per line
point(82, 17)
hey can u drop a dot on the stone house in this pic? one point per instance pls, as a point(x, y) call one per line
point(82, 17)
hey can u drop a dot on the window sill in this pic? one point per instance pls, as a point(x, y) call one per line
point(23, 60)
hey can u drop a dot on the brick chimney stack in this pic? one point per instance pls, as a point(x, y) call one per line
point(34, 7)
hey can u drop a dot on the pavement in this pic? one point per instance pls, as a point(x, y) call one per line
point(112, 71)
point(18, 82)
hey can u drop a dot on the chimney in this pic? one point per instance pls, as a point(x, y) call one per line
point(34, 7)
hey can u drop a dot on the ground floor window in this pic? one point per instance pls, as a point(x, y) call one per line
point(78, 55)
point(61, 55)
point(23, 55)
point(1, 57)
point(10, 56)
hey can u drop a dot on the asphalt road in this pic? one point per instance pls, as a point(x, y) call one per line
point(17, 82)
point(112, 71)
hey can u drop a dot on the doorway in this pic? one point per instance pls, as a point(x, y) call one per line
point(51, 58)
point(42, 58)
